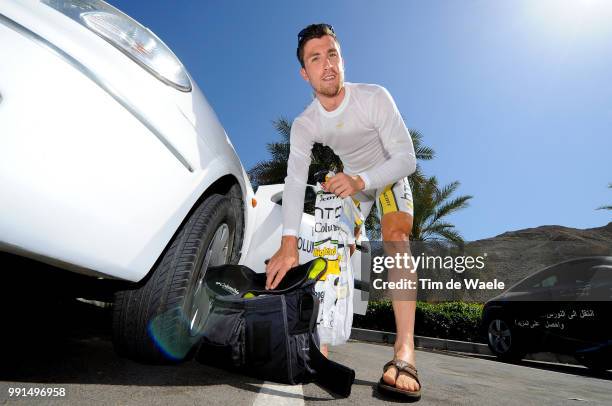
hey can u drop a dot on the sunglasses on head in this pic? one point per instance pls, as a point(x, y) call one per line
point(305, 30)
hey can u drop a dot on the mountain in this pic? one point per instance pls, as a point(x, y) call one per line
point(513, 255)
point(559, 233)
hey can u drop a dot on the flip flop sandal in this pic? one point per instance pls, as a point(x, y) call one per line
point(400, 366)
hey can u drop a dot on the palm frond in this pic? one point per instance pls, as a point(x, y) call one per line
point(267, 173)
point(422, 152)
point(452, 206)
point(436, 227)
point(606, 207)
point(446, 191)
point(452, 235)
point(431, 205)
point(283, 127)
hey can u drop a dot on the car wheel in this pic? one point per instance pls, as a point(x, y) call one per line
point(161, 320)
point(502, 341)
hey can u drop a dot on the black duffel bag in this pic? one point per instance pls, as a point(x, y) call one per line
point(269, 334)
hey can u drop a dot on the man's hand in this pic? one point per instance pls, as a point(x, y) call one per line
point(284, 259)
point(343, 185)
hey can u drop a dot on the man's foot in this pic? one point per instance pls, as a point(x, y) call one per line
point(404, 381)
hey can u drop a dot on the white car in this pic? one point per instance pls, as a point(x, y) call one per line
point(114, 165)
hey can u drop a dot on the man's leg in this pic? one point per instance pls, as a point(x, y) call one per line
point(396, 227)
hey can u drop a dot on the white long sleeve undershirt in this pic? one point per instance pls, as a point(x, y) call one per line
point(366, 131)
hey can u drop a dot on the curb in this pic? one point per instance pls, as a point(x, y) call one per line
point(441, 344)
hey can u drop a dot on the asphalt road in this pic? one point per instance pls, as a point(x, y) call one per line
point(75, 353)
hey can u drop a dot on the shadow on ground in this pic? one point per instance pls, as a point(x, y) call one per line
point(64, 341)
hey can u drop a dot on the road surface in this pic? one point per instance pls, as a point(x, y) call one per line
point(76, 354)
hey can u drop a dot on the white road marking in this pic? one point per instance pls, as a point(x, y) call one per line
point(272, 394)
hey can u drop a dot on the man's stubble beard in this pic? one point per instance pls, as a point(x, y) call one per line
point(332, 89)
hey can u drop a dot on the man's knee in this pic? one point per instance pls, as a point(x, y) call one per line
point(395, 235)
point(396, 226)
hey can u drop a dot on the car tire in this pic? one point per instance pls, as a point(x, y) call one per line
point(502, 340)
point(160, 320)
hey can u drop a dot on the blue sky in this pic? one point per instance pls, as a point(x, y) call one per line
point(515, 97)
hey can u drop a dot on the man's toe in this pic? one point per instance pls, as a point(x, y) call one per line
point(406, 382)
point(389, 376)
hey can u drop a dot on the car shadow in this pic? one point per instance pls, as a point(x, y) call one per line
point(65, 341)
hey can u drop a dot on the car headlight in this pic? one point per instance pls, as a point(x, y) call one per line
point(127, 35)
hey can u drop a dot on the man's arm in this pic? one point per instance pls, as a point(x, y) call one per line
point(395, 139)
point(301, 142)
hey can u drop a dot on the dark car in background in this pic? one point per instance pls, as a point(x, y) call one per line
point(565, 308)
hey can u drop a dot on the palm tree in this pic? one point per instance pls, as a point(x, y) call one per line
point(431, 205)
point(273, 170)
point(422, 152)
point(606, 207)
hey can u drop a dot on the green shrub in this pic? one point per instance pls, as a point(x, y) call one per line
point(450, 320)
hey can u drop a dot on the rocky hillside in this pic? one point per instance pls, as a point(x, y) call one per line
point(514, 255)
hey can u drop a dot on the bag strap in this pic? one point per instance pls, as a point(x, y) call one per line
point(330, 375)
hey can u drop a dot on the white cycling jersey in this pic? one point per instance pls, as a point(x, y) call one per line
point(366, 131)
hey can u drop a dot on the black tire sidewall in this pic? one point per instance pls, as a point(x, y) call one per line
point(211, 213)
point(228, 217)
